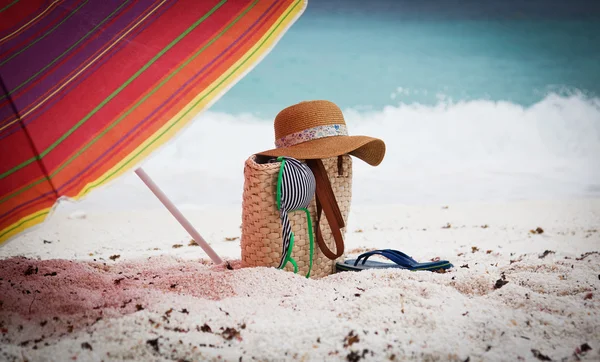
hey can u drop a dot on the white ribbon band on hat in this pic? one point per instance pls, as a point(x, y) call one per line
point(311, 134)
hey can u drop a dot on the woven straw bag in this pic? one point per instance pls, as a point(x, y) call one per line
point(261, 240)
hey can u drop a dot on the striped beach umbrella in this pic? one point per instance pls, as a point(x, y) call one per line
point(91, 87)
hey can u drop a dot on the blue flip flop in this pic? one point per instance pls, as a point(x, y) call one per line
point(401, 261)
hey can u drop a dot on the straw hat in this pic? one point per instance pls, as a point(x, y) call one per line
point(317, 130)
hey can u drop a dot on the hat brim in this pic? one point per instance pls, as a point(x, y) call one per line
point(369, 149)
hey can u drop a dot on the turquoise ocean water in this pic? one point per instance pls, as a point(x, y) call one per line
point(476, 101)
point(358, 54)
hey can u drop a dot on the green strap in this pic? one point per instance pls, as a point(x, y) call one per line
point(289, 256)
point(280, 181)
point(312, 241)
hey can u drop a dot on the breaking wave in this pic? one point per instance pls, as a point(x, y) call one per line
point(477, 150)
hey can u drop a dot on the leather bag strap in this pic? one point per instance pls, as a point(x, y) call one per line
point(327, 203)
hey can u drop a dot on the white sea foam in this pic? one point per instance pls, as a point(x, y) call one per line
point(461, 151)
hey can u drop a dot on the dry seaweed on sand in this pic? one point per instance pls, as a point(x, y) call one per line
point(350, 339)
point(501, 282)
point(537, 230)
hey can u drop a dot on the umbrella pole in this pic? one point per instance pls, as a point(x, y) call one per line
point(178, 215)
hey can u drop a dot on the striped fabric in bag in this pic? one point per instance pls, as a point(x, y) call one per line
point(295, 190)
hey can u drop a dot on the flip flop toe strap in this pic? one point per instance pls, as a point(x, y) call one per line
point(397, 257)
point(401, 255)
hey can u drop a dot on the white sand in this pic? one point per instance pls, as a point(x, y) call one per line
point(550, 306)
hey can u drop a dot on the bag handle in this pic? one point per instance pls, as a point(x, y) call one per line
point(326, 202)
